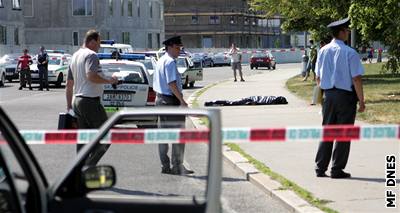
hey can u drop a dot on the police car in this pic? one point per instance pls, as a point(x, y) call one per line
point(57, 69)
point(109, 46)
point(134, 88)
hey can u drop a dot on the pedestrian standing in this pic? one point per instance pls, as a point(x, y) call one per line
point(43, 62)
point(379, 58)
point(339, 73)
point(317, 92)
point(312, 60)
point(370, 55)
point(168, 85)
point(236, 61)
point(85, 87)
point(25, 73)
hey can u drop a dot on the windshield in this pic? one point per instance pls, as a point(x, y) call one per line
point(107, 49)
point(127, 73)
point(9, 59)
point(148, 64)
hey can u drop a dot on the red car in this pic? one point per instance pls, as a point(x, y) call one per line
point(262, 60)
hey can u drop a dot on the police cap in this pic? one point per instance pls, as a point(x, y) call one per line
point(341, 23)
point(174, 40)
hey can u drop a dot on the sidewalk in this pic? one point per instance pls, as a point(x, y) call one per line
point(364, 192)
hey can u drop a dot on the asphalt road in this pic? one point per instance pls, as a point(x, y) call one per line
point(137, 166)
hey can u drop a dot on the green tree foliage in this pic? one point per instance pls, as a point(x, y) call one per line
point(379, 20)
point(375, 20)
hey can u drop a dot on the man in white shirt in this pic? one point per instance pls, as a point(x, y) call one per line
point(236, 61)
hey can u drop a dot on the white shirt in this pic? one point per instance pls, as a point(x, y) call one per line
point(234, 55)
point(166, 72)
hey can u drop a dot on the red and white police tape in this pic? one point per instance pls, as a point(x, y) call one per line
point(229, 135)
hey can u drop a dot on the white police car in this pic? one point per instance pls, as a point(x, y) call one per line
point(57, 69)
point(134, 88)
point(109, 46)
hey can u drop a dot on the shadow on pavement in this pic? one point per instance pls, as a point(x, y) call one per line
point(377, 180)
point(133, 192)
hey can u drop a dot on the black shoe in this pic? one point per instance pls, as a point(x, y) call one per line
point(322, 175)
point(47, 89)
point(340, 174)
point(181, 170)
point(235, 80)
point(41, 89)
point(30, 88)
point(20, 88)
point(166, 170)
point(242, 80)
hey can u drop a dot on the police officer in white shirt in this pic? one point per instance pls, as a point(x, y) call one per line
point(168, 85)
point(339, 74)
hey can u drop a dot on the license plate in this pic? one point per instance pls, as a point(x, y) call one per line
point(34, 75)
point(117, 97)
point(259, 60)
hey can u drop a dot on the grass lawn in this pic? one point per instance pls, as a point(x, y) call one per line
point(381, 91)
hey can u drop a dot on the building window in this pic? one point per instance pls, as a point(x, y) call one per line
point(151, 9)
point(246, 21)
point(138, 7)
point(195, 19)
point(232, 20)
point(111, 7)
point(3, 35)
point(122, 7)
point(158, 40)
point(108, 35)
point(16, 36)
point(82, 7)
point(214, 20)
point(125, 38)
point(149, 40)
point(1, 4)
point(130, 8)
point(16, 4)
point(75, 39)
point(28, 8)
point(207, 42)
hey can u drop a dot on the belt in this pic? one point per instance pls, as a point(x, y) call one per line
point(93, 98)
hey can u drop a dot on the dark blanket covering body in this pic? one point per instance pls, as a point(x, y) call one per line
point(252, 100)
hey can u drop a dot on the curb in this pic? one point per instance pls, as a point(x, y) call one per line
point(271, 187)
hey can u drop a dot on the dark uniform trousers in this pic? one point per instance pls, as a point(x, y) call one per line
point(43, 77)
point(90, 114)
point(170, 122)
point(339, 107)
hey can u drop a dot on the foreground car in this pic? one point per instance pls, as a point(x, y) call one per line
point(262, 60)
point(57, 69)
point(25, 188)
point(8, 64)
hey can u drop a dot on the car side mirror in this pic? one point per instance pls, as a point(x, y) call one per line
point(99, 177)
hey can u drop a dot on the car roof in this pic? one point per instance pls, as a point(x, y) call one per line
point(116, 45)
point(122, 62)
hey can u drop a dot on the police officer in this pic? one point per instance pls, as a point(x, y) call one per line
point(168, 85)
point(339, 74)
point(43, 61)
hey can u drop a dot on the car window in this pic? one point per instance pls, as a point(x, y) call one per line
point(181, 62)
point(126, 73)
point(259, 55)
point(148, 64)
point(107, 49)
point(9, 164)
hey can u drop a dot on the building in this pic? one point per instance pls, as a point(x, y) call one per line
point(62, 24)
point(11, 27)
point(218, 23)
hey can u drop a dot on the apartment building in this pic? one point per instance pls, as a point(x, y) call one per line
point(11, 27)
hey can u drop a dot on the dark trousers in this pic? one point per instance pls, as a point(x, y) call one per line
point(178, 150)
point(339, 107)
point(90, 114)
point(25, 76)
point(43, 77)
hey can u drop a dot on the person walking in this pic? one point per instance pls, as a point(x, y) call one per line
point(43, 61)
point(236, 61)
point(85, 87)
point(339, 74)
point(370, 54)
point(25, 73)
point(312, 60)
point(167, 84)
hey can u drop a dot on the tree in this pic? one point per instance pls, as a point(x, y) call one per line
point(379, 20)
point(374, 20)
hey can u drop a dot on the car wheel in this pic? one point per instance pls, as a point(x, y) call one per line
point(9, 80)
point(3, 80)
point(191, 84)
point(60, 79)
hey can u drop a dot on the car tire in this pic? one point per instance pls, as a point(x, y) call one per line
point(59, 81)
point(191, 84)
point(9, 80)
point(3, 80)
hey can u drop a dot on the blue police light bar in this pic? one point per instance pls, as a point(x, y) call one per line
point(123, 56)
point(110, 42)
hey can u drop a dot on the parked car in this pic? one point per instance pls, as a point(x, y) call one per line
point(190, 71)
point(57, 69)
point(8, 64)
point(25, 187)
point(109, 46)
point(203, 59)
point(2, 77)
point(262, 60)
point(221, 59)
